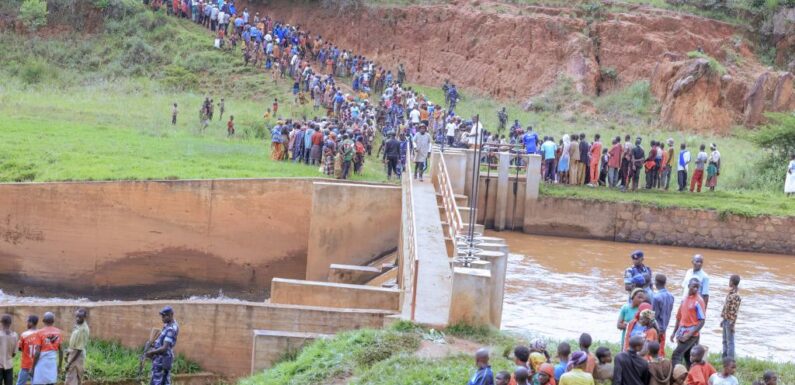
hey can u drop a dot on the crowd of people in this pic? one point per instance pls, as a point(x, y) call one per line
point(644, 323)
point(43, 362)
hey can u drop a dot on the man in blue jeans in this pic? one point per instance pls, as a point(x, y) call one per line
point(729, 315)
point(548, 151)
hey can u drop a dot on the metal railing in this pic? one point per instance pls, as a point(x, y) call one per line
point(410, 259)
point(453, 216)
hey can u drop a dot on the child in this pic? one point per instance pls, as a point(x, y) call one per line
point(267, 115)
point(230, 126)
point(174, 115)
point(585, 344)
point(660, 368)
point(770, 378)
point(564, 350)
point(502, 378)
point(726, 377)
point(275, 106)
point(521, 375)
point(8, 340)
point(700, 369)
point(604, 366)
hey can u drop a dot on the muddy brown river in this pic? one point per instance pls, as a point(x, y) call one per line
point(561, 287)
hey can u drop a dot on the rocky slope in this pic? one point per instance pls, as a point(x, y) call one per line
point(516, 52)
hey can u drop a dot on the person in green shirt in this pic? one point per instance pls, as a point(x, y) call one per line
point(75, 363)
point(628, 310)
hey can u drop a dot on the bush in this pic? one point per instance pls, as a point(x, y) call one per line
point(33, 14)
point(34, 71)
point(180, 78)
point(714, 64)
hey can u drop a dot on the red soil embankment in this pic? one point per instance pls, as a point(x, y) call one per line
point(516, 52)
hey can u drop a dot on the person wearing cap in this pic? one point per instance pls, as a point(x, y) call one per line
point(637, 268)
point(78, 340)
point(162, 352)
point(49, 353)
point(698, 273)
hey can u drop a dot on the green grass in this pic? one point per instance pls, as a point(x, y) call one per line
point(109, 134)
point(743, 203)
point(108, 361)
point(390, 360)
point(98, 107)
point(714, 64)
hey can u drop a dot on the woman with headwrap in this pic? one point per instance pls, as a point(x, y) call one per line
point(642, 325)
point(536, 360)
point(575, 374)
point(545, 375)
point(563, 163)
point(628, 311)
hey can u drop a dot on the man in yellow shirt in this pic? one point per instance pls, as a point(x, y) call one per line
point(75, 363)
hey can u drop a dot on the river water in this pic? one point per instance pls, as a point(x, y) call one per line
point(561, 287)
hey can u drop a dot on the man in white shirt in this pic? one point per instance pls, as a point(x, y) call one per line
point(681, 167)
point(450, 129)
point(698, 273)
point(414, 117)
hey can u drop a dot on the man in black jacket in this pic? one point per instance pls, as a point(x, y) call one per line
point(392, 155)
point(629, 367)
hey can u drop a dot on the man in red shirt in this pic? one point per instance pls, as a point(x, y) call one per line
point(28, 342)
point(690, 319)
point(614, 162)
point(49, 353)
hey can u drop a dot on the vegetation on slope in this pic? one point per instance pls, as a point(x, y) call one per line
point(391, 359)
point(98, 106)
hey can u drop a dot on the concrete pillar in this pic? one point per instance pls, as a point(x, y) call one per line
point(498, 266)
point(533, 181)
point(475, 264)
point(502, 191)
point(470, 164)
point(456, 169)
point(434, 165)
point(470, 302)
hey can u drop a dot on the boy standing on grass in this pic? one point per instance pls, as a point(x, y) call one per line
point(484, 375)
point(221, 109)
point(174, 111)
point(729, 315)
point(564, 350)
point(8, 346)
point(725, 377)
point(27, 344)
point(700, 370)
point(230, 125)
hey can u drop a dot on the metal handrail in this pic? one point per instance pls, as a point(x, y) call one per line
point(410, 239)
point(454, 221)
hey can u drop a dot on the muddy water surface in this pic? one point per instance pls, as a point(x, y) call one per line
point(561, 287)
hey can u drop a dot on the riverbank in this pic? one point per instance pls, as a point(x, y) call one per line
point(407, 354)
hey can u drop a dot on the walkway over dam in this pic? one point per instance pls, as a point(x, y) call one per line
point(339, 256)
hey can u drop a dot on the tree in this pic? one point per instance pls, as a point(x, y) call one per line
point(778, 135)
point(33, 13)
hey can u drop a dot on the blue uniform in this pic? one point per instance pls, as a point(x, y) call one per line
point(161, 364)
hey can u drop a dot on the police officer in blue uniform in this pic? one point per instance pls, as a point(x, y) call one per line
point(162, 353)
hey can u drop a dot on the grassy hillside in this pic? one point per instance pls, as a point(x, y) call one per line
point(98, 107)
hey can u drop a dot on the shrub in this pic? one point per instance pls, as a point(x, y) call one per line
point(33, 13)
point(33, 71)
point(714, 64)
point(180, 78)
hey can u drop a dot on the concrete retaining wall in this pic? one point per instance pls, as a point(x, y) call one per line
point(351, 224)
point(216, 334)
point(156, 239)
point(270, 346)
point(629, 222)
point(337, 295)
